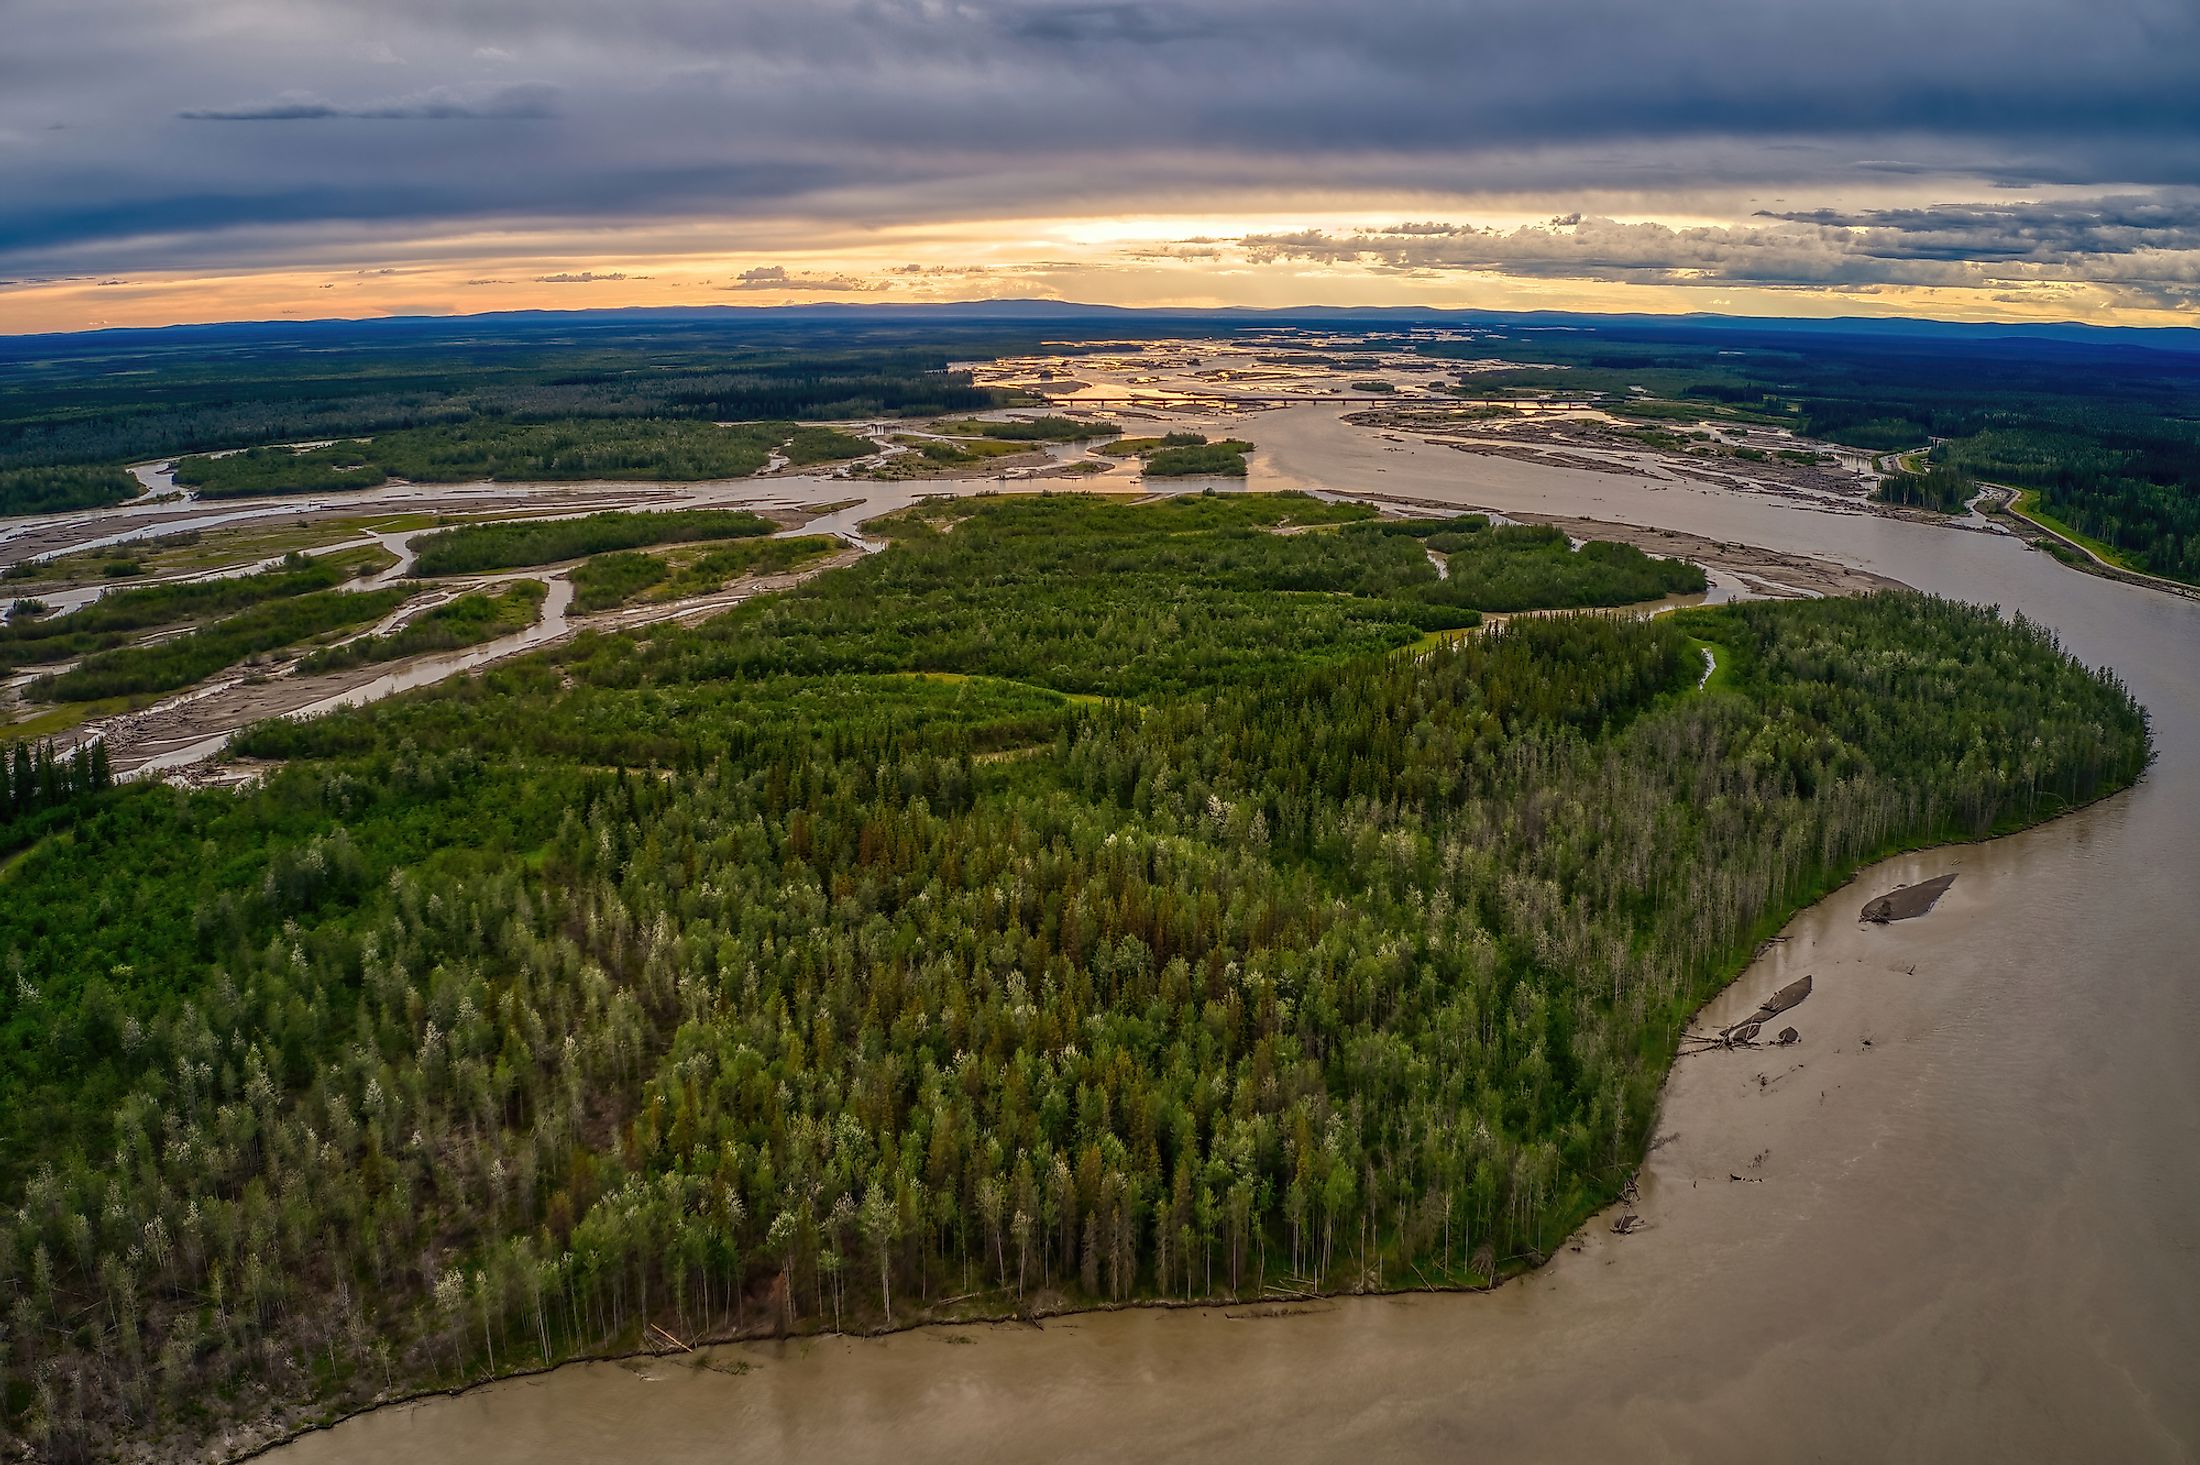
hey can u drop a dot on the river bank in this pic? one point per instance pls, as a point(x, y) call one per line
point(1959, 1227)
point(2006, 505)
point(1840, 1022)
point(777, 1395)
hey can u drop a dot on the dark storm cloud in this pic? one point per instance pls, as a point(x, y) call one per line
point(906, 110)
point(2027, 231)
point(1144, 25)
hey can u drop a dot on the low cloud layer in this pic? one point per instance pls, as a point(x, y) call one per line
point(779, 277)
point(2149, 245)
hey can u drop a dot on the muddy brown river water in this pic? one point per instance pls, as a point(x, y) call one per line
point(1959, 1220)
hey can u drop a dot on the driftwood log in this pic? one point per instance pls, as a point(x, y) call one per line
point(1789, 996)
point(1905, 901)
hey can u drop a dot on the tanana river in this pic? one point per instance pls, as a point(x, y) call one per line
point(1959, 1221)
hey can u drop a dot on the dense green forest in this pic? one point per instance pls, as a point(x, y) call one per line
point(469, 620)
point(1942, 489)
point(1073, 902)
point(474, 549)
point(610, 580)
point(2134, 486)
point(278, 469)
point(41, 789)
point(1133, 447)
point(810, 446)
point(1533, 566)
point(494, 448)
point(1224, 459)
point(129, 397)
point(1184, 455)
point(51, 490)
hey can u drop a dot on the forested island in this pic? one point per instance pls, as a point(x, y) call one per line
point(1183, 455)
point(1076, 902)
point(496, 448)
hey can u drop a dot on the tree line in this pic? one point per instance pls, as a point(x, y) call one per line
point(1942, 489)
point(52, 490)
point(36, 781)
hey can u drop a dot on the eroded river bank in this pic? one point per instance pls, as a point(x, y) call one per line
point(1952, 1222)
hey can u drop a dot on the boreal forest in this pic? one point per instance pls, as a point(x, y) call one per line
point(1076, 902)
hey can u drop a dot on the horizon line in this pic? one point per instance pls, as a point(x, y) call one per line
point(1038, 308)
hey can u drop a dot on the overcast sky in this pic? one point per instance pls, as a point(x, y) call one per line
point(203, 159)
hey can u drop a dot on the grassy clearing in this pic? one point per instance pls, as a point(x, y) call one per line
point(931, 455)
point(9, 862)
point(1722, 678)
point(2028, 506)
point(61, 718)
point(964, 679)
point(1432, 639)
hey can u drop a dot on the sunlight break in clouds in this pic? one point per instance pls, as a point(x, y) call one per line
point(2016, 159)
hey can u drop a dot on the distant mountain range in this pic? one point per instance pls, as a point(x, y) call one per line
point(522, 323)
